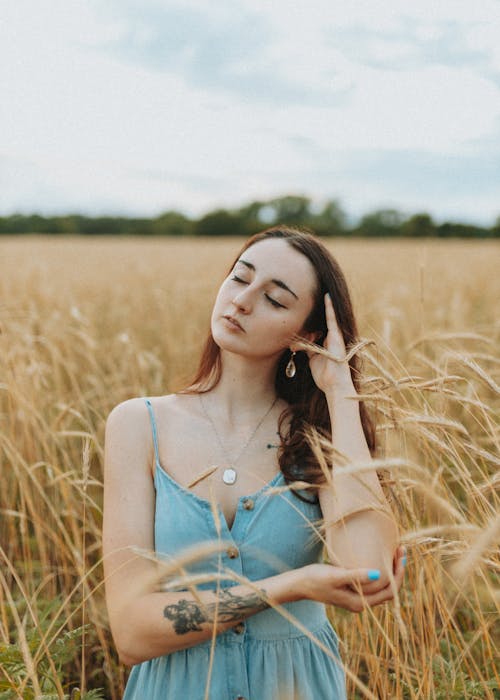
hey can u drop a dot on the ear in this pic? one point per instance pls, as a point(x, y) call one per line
point(311, 336)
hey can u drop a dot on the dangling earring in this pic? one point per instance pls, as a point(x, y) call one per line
point(290, 368)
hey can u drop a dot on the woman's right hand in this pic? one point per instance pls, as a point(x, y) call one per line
point(351, 589)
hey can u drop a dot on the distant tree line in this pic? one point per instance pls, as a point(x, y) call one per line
point(328, 220)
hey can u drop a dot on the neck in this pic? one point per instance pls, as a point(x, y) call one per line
point(246, 387)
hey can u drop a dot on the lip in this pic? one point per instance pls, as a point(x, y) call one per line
point(233, 322)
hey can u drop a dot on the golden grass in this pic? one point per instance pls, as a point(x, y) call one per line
point(87, 323)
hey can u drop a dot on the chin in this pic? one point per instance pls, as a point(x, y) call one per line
point(226, 345)
point(222, 333)
point(224, 340)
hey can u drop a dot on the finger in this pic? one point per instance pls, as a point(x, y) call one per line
point(390, 591)
point(356, 602)
point(383, 584)
point(401, 562)
point(396, 579)
point(369, 587)
point(381, 596)
point(331, 320)
point(399, 558)
point(349, 577)
point(351, 601)
point(400, 574)
point(334, 340)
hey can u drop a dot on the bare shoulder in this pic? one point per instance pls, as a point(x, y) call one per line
point(131, 415)
point(128, 446)
point(128, 410)
point(127, 421)
point(174, 407)
point(129, 424)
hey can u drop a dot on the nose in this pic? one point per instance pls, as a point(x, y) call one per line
point(242, 300)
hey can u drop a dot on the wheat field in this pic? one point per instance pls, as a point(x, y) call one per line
point(86, 323)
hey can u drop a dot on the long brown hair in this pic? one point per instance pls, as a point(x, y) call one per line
point(307, 403)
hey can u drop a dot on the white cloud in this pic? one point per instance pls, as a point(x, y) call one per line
point(142, 107)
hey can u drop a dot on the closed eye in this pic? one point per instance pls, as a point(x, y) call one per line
point(272, 301)
point(238, 279)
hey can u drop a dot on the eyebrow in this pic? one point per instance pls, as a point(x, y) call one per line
point(278, 283)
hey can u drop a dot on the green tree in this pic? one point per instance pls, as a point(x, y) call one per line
point(291, 209)
point(172, 223)
point(418, 225)
point(220, 223)
point(250, 217)
point(495, 229)
point(383, 222)
point(455, 230)
point(331, 220)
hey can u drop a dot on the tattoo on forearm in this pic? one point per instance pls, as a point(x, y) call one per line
point(188, 615)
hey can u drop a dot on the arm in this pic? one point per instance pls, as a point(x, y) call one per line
point(369, 537)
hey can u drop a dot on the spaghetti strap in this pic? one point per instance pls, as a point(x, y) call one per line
point(153, 425)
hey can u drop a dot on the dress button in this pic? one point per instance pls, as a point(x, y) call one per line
point(248, 504)
point(232, 552)
point(239, 628)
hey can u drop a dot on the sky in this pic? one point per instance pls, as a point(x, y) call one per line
point(135, 107)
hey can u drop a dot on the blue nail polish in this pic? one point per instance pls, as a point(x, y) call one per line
point(403, 560)
point(373, 574)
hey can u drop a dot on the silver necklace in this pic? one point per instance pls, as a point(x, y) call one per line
point(230, 474)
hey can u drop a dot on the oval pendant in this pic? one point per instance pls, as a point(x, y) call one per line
point(229, 476)
point(290, 369)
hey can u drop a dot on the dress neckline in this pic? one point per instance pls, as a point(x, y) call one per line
point(207, 504)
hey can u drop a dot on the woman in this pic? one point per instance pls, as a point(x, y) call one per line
point(240, 485)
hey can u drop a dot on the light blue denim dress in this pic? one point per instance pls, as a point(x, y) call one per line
point(267, 656)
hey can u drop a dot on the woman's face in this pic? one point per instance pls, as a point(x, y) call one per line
point(269, 293)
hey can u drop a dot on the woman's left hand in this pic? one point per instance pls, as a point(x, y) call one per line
point(328, 374)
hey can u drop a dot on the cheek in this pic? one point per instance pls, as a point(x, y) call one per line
point(217, 306)
point(221, 294)
point(284, 330)
point(291, 324)
point(289, 327)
